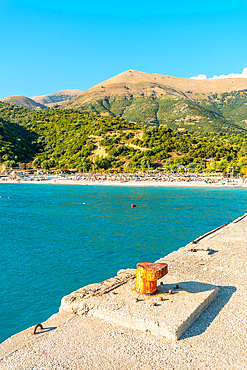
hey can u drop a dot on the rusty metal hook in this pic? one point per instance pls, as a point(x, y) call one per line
point(38, 326)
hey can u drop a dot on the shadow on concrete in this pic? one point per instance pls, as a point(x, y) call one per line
point(45, 330)
point(206, 318)
point(187, 286)
point(212, 251)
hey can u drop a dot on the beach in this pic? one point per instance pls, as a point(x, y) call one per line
point(161, 180)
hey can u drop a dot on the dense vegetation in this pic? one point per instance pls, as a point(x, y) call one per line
point(231, 106)
point(217, 113)
point(60, 139)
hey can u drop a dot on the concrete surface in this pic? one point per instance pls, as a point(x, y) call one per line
point(161, 314)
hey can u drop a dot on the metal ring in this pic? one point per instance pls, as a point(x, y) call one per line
point(38, 326)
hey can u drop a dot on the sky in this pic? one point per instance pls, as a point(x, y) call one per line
point(50, 45)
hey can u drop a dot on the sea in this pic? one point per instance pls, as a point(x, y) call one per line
point(55, 239)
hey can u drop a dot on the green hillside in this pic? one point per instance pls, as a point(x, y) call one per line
point(232, 106)
point(59, 139)
point(199, 116)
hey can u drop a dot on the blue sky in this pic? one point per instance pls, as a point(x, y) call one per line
point(51, 45)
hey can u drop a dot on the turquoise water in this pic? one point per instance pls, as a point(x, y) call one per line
point(56, 239)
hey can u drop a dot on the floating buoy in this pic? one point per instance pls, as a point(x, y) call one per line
point(133, 205)
point(8, 197)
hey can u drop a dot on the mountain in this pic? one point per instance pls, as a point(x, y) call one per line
point(201, 106)
point(23, 101)
point(43, 101)
point(57, 98)
point(139, 82)
point(180, 103)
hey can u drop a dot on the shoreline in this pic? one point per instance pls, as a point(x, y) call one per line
point(142, 183)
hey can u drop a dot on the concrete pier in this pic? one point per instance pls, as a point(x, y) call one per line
point(201, 325)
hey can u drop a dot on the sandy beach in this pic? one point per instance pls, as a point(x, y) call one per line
point(128, 180)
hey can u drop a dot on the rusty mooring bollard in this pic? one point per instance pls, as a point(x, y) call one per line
point(147, 274)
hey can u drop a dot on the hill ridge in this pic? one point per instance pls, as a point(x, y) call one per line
point(221, 85)
point(23, 101)
point(57, 97)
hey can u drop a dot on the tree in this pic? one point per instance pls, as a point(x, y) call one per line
point(51, 162)
point(85, 165)
point(102, 163)
point(145, 163)
point(36, 163)
point(198, 168)
point(9, 163)
point(45, 165)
